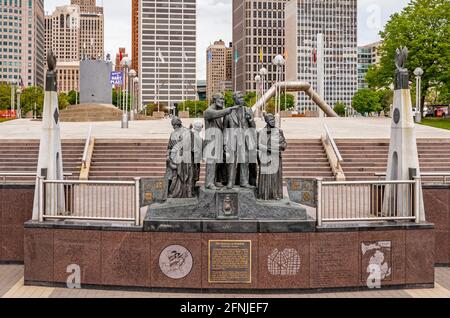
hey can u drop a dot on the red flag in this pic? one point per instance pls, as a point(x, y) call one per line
point(314, 57)
point(121, 56)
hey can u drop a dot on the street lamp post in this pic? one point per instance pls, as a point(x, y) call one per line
point(263, 73)
point(132, 75)
point(418, 72)
point(278, 61)
point(19, 110)
point(125, 64)
point(136, 94)
point(13, 96)
point(258, 89)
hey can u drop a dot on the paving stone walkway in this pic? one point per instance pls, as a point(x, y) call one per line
point(12, 286)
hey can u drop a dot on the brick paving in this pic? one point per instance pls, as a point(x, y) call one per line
point(12, 286)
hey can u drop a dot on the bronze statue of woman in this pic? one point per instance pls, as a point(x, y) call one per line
point(271, 144)
point(180, 168)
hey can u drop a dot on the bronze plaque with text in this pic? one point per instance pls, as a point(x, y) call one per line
point(230, 262)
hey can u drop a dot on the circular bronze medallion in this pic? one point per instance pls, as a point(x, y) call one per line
point(175, 261)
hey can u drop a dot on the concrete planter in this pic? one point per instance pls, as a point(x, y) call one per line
point(184, 114)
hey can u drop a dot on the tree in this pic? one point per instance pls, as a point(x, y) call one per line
point(250, 99)
point(30, 97)
point(339, 108)
point(422, 27)
point(74, 97)
point(5, 96)
point(229, 102)
point(366, 101)
point(386, 97)
point(287, 102)
point(63, 101)
point(196, 108)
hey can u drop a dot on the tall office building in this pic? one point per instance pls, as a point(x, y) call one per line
point(257, 25)
point(219, 60)
point(135, 35)
point(22, 42)
point(167, 56)
point(368, 55)
point(92, 32)
point(74, 32)
point(337, 21)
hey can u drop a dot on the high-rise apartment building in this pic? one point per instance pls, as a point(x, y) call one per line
point(22, 42)
point(257, 25)
point(167, 56)
point(219, 60)
point(368, 55)
point(135, 35)
point(337, 21)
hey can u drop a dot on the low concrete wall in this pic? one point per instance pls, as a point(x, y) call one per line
point(16, 207)
point(331, 258)
point(437, 207)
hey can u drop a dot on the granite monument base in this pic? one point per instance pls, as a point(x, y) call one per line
point(329, 257)
point(227, 210)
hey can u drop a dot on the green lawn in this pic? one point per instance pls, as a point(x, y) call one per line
point(443, 123)
point(4, 119)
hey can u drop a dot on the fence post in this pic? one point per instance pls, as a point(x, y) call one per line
point(137, 182)
point(41, 198)
point(319, 202)
point(417, 198)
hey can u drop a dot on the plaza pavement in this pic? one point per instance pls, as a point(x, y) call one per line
point(12, 286)
point(294, 128)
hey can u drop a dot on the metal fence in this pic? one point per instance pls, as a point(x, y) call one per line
point(368, 201)
point(89, 200)
point(427, 177)
point(22, 177)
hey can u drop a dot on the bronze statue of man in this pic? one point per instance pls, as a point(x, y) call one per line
point(213, 151)
point(271, 144)
point(180, 168)
point(240, 142)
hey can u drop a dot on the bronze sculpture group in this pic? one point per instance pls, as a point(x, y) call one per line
point(232, 150)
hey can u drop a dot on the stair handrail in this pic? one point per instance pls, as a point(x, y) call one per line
point(86, 147)
point(332, 142)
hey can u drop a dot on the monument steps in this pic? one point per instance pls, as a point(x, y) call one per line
point(90, 112)
point(22, 156)
point(123, 160)
point(363, 159)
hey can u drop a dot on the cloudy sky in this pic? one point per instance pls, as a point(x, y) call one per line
point(214, 22)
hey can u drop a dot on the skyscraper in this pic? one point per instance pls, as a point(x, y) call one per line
point(92, 32)
point(22, 43)
point(258, 27)
point(368, 55)
point(219, 60)
point(337, 21)
point(74, 32)
point(167, 57)
point(135, 35)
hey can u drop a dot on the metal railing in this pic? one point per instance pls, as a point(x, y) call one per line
point(116, 201)
point(330, 140)
point(434, 177)
point(368, 201)
point(14, 175)
point(86, 147)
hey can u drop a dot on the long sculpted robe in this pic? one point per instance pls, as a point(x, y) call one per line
point(180, 168)
point(271, 144)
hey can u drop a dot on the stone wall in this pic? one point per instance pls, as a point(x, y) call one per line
point(437, 209)
point(329, 259)
point(16, 206)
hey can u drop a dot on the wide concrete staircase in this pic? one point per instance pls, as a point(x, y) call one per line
point(22, 157)
point(125, 160)
point(90, 113)
point(306, 159)
point(363, 159)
